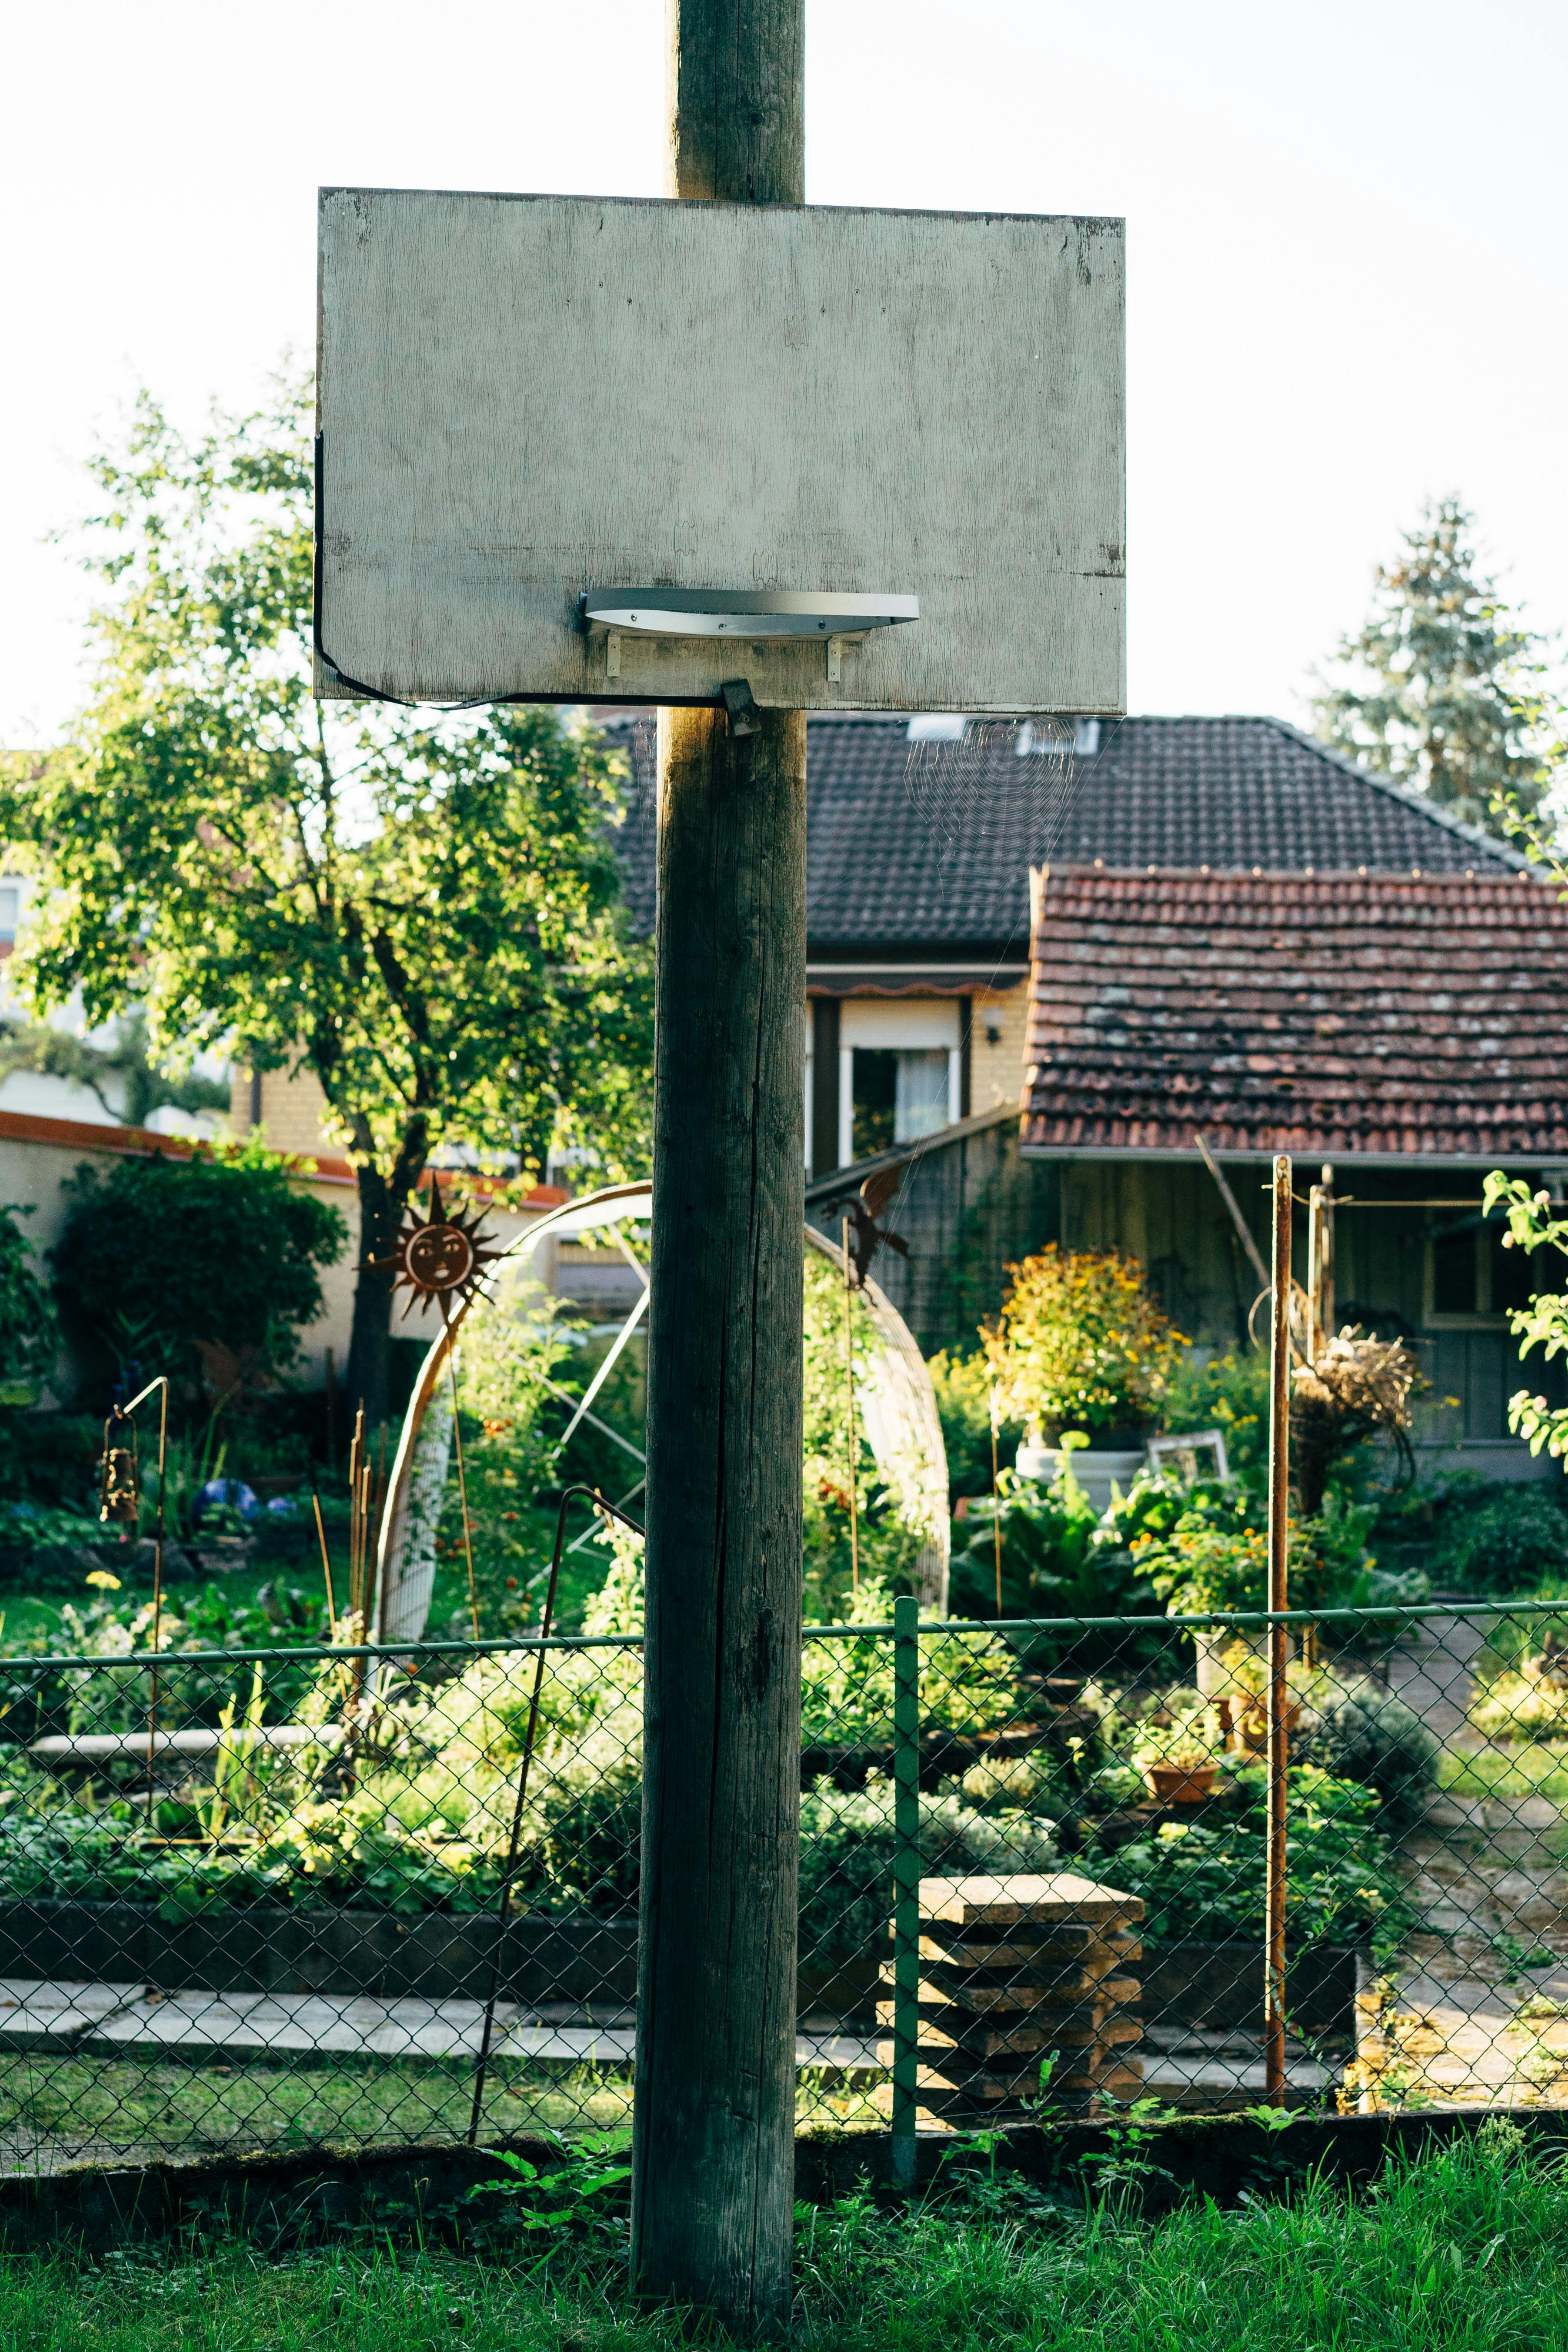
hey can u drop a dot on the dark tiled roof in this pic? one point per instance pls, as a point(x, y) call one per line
point(949, 870)
point(1332, 1016)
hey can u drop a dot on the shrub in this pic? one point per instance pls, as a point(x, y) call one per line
point(1342, 1883)
point(968, 1682)
point(1080, 1342)
point(1503, 1542)
point(1229, 1394)
point(159, 1258)
point(1365, 1732)
point(846, 1847)
point(26, 1314)
point(964, 1386)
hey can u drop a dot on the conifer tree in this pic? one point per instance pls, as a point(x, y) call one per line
point(1444, 686)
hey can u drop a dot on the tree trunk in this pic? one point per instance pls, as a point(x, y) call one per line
point(382, 1202)
point(370, 1344)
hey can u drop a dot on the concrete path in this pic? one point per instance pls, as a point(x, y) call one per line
point(1463, 2021)
point(122, 2020)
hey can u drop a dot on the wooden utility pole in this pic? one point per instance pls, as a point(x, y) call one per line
point(713, 2155)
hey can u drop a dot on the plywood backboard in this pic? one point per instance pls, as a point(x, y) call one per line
point(522, 398)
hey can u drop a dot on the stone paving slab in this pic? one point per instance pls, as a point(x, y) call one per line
point(39, 2015)
point(122, 2020)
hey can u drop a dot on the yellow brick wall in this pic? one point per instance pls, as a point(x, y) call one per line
point(292, 1110)
point(996, 1071)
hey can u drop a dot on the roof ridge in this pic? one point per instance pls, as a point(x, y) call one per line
point(1421, 803)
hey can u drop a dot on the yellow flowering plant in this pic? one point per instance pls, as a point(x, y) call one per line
point(1080, 1342)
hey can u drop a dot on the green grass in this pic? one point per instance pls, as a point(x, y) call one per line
point(94, 2109)
point(1462, 2251)
point(91, 2109)
point(1534, 1769)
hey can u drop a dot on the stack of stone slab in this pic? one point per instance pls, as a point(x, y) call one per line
point(1012, 1972)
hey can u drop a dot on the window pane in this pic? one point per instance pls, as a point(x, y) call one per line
point(922, 1099)
point(876, 1084)
point(1454, 1268)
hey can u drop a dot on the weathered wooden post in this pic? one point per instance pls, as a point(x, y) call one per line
point(712, 2194)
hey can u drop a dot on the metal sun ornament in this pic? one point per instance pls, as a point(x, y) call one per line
point(442, 1256)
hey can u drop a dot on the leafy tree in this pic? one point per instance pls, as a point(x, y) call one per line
point(122, 1075)
point(1444, 688)
point(213, 1263)
point(421, 909)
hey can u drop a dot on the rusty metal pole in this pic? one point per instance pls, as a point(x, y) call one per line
point(1279, 1587)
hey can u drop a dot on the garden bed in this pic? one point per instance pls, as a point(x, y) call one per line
point(276, 1948)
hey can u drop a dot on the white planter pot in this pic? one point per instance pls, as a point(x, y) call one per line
point(1095, 1469)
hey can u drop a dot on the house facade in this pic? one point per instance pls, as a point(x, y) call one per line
point(1035, 971)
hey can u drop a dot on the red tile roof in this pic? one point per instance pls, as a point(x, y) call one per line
point(1337, 1014)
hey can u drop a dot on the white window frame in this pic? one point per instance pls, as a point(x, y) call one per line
point(890, 1024)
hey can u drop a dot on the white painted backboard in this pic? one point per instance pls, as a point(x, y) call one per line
point(524, 398)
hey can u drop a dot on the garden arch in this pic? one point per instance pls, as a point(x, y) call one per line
point(897, 1405)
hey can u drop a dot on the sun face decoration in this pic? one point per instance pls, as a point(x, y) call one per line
point(442, 1256)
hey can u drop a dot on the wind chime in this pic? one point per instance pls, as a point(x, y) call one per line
point(120, 1506)
point(444, 1257)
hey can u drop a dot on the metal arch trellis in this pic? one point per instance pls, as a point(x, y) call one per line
point(897, 1405)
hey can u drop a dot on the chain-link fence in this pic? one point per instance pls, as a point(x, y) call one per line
point(295, 1896)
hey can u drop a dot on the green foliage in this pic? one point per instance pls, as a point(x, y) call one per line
point(1510, 1540)
point(847, 1844)
point(1080, 1343)
point(122, 1075)
point(1532, 1225)
point(158, 1256)
point(1230, 1393)
point(424, 911)
point(1356, 1728)
point(26, 1314)
point(964, 1386)
point(890, 1537)
point(559, 2200)
point(1343, 1884)
point(505, 1359)
point(1205, 1548)
point(1454, 2248)
point(968, 1681)
point(1447, 689)
point(1056, 1562)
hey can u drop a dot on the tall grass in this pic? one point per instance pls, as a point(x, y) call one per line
point(1463, 2249)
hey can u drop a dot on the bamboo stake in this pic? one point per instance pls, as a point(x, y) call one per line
point(463, 1495)
point(326, 1568)
point(1279, 1587)
point(503, 1901)
point(853, 1450)
point(995, 1505)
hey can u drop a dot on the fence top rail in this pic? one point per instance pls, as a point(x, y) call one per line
point(399, 1652)
point(1401, 1613)
point(526, 1646)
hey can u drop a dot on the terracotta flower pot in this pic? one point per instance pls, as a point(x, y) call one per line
point(1181, 1784)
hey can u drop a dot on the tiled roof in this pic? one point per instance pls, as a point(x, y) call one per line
point(1322, 1015)
point(1231, 794)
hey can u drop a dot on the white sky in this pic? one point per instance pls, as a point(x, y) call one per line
point(1345, 226)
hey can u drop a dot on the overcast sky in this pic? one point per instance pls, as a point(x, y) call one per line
point(1345, 241)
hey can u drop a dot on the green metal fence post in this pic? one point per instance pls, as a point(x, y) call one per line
point(906, 1879)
